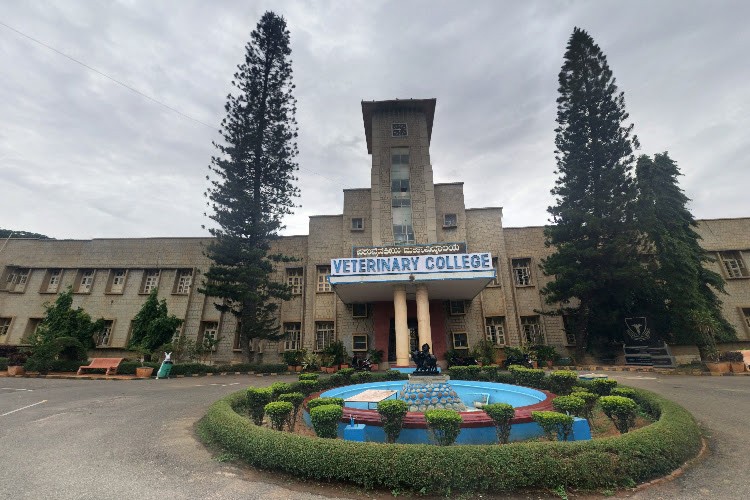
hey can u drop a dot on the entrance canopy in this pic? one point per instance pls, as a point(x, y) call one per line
point(447, 277)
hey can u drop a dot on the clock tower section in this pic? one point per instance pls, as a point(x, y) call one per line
point(398, 134)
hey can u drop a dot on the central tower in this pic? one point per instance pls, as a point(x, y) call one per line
point(398, 134)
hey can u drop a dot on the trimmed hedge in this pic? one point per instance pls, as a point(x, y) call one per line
point(635, 457)
point(501, 414)
point(603, 386)
point(572, 405)
point(392, 413)
point(444, 425)
point(4, 364)
point(555, 425)
point(278, 413)
point(561, 382)
point(620, 410)
point(528, 377)
point(296, 398)
point(481, 373)
point(314, 403)
point(308, 376)
point(325, 420)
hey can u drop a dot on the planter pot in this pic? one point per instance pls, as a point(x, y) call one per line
point(144, 372)
point(719, 367)
point(329, 369)
point(374, 367)
point(16, 370)
point(550, 364)
point(298, 368)
point(344, 365)
point(737, 366)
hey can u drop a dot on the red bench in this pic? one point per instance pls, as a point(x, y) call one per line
point(108, 364)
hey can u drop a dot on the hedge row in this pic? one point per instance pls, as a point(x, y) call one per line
point(637, 456)
point(3, 364)
point(128, 367)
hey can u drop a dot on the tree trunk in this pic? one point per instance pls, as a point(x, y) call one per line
point(581, 330)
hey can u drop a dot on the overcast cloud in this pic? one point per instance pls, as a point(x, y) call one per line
point(83, 157)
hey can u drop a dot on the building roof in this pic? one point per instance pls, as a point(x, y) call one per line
point(369, 108)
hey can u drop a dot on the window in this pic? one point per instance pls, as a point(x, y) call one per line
point(733, 264)
point(294, 280)
point(116, 280)
point(522, 271)
point(495, 330)
point(16, 279)
point(150, 281)
point(323, 334)
point(105, 335)
point(54, 276)
point(532, 329)
point(4, 326)
point(496, 267)
point(31, 328)
point(358, 224)
point(360, 311)
point(456, 307)
point(403, 231)
point(450, 220)
point(460, 340)
point(746, 314)
point(183, 281)
point(399, 130)
point(568, 326)
point(359, 343)
point(209, 334)
point(323, 273)
point(292, 336)
point(85, 281)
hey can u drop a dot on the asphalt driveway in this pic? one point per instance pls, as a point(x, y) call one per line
point(91, 439)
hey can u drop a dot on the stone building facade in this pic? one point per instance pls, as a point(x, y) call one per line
point(459, 276)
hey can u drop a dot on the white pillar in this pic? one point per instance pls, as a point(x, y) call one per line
point(423, 317)
point(402, 327)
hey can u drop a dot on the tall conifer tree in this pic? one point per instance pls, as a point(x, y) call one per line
point(687, 302)
point(595, 264)
point(254, 189)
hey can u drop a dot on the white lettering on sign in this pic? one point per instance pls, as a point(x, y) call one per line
point(459, 262)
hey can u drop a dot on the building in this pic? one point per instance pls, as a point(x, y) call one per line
point(406, 263)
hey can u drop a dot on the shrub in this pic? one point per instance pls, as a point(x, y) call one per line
point(555, 425)
point(314, 403)
point(362, 377)
point(392, 413)
point(731, 356)
point(294, 357)
point(625, 392)
point(501, 414)
point(306, 387)
point(603, 386)
point(571, 405)
point(528, 377)
point(325, 420)
point(3, 364)
point(268, 368)
point(444, 425)
point(635, 457)
point(472, 372)
point(345, 373)
point(589, 400)
point(296, 399)
point(621, 411)
point(278, 412)
point(561, 382)
point(308, 376)
point(278, 388)
point(395, 375)
point(257, 399)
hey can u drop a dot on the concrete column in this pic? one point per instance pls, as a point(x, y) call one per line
point(402, 327)
point(423, 317)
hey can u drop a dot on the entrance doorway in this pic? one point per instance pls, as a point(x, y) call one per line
point(413, 338)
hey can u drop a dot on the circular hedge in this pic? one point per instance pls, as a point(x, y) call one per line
point(635, 457)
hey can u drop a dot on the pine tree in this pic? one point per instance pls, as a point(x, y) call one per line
point(254, 187)
point(595, 263)
point(685, 288)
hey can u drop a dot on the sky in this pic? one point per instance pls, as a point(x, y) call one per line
point(82, 156)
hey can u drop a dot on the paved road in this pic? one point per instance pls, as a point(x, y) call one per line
point(74, 439)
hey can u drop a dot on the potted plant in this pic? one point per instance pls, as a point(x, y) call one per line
point(546, 355)
point(337, 353)
point(15, 364)
point(735, 359)
point(294, 359)
point(712, 360)
point(143, 371)
point(311, 362)
point(327, 363)
point(484, 352)
point(376, 357)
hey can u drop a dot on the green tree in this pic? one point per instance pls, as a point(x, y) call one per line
point(153, 326)
point(253, 189)
point(685, 289)
point(9, 233)
point(595, 265)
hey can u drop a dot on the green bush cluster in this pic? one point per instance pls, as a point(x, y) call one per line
point(501, 414)
point(257, 399)
point(314, 403)
point(589, 400)
point(4, 364)
point(392, 413)
point(362, 377)
point(480, 373)
point(296, 399)
point(571, 405)
point(529, 377)
point(603, 386)
point(556, 426)
point(444, 425)
point(625, 392)
point(308, 376)
point(306, 387)
point(561, 382)
point(278, 413)
point(278, 388)
point(635, 457)
point(325, 420)
point(620, 410)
